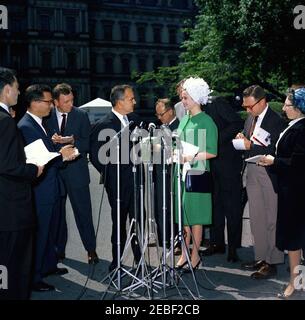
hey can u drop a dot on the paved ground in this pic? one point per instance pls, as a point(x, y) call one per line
point(216, 279)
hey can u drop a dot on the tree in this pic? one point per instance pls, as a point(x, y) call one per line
point(235, 43)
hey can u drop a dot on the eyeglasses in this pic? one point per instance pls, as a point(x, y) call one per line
point(287, 105)
point(161, 114)
point(251, 107)
point(47, 101)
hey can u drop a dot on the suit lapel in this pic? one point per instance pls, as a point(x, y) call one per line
point(43, 135)
point(70, 121)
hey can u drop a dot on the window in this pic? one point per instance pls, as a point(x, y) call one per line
point(94, 92)
point(142, 64)
point(45, 24)
point(71, 25)
point(46, 60)
point(172, 33)
point(157, 34)
point(172, 61)
point(107, 31)
point(106, 93)
point(108, 65)
point(125, 62)
point(71, 61)
point(141, 33)
point(93, 62)
point(124, 32)
point(157, 63)
point(143, 97)
point(92, 28)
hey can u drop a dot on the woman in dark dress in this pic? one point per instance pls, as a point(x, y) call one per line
point(289, 164)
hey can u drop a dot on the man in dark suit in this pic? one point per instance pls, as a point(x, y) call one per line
point(261, 182)
point(103, 158)
point(39, 100)
point(165, 113)
point(17, 219)
point(226, 171)
point(69, 124)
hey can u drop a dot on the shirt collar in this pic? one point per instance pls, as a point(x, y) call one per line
point(292, 122)
point(36, 118)
point(262, 115)
point(172, 121)
point(120, 116)
point(5, 107)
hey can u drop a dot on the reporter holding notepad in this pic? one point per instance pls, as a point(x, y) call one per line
point(260, 183)
point(289, 165)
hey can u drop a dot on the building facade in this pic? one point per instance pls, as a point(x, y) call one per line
point(94, 44)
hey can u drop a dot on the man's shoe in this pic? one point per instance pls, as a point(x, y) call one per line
point(213, 249)
point(41, 286)
point(265, 272)
point(93, 257)
point(57, 272)
point(232, 255)
point(253, 265)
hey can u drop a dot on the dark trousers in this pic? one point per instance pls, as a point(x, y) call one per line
point(127, 210)
point(45, 254)
point(227, 205)
point(82, 209)
point(159, 204)
point(16, 254)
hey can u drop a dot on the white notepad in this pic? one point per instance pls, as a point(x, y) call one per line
point(37, 153)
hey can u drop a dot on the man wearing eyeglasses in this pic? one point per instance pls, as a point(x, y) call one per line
point(166, 114)
point(38, 99)
point(261, 183)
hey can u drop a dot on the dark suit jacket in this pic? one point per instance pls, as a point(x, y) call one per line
point(228, 162)
point(46, 188)
point(289, 165)
point(75, 173)
point(111, 121)
point(273, 124)
point(15, 178)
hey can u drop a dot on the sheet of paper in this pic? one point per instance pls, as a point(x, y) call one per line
point(239, 144)
point(37, 153)
point(189, 149)
point(254, 159)
point(261, 137)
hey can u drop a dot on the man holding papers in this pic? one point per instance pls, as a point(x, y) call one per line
point(261, 131)
point(17, 219)
point(46, 190)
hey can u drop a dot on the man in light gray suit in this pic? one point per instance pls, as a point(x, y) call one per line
point(261, 183)
point(68, 124)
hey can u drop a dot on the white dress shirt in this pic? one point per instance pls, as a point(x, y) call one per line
point(38, 120)
point(5, 107)
point(121, 117)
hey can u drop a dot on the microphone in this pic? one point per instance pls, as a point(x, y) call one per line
point(151, 128)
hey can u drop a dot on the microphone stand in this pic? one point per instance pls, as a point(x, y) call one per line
point(119, 269)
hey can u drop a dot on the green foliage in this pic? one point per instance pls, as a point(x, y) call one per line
point(236, 43)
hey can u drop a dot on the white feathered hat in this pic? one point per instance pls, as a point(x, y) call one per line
point(198, 89)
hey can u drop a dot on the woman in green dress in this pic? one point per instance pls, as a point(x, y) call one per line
point(200, 130)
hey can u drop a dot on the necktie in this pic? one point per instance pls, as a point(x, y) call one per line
point(125, 120)
point(63, 124)
point(253, 126)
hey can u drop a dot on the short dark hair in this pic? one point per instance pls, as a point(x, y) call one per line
point(118, 92)
point(167, 103)
point(61, 88)
point(7, 76)
point(35, 92)
point(255, 91)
